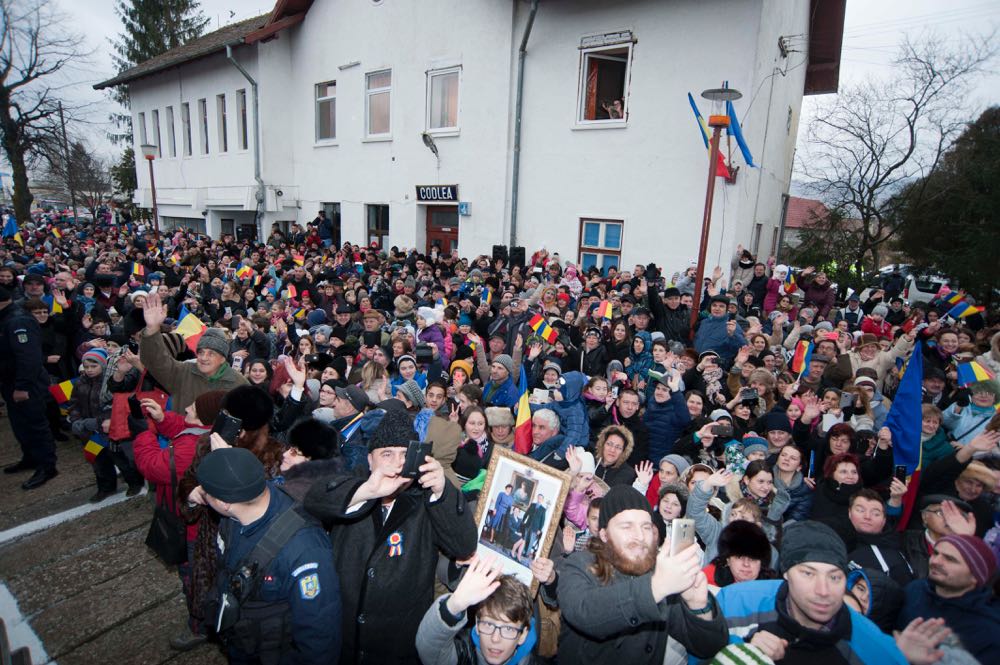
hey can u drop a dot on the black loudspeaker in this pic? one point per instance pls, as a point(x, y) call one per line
point(517, 256)
point(500, 252)
point(246, 232)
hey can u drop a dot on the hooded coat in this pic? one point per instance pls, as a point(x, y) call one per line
point(666, 422)
point(574, 424)
point(713, 335)
point(639, 363)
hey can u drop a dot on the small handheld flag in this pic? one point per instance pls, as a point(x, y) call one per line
point(954, 298)
point(972, 372)
point(62, 392)
point(962, 310)
point(299, 259)
point(138, 269)
point(789, 283)
point(604, 310)
point(292, 291)
point(802, 356)
point(94, 446)
point(522, 428)
point(244, 271)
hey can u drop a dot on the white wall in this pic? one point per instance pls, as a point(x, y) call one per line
point(651, 173)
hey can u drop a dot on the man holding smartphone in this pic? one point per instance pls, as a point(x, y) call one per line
point(387, 531)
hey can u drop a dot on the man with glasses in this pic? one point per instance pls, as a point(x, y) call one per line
point(942, 515)
point(501, 632)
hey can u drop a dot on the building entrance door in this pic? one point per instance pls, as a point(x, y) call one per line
point(442, 228)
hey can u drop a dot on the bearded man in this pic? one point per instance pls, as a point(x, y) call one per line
point(621, 598)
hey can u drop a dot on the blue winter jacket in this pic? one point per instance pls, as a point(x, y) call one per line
point(506, 394)
point(712, 336)
point(572, 410)
point(749, 605)
point(666, 422)
point(974, 616)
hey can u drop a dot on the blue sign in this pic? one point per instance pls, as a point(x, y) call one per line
point(463, 208)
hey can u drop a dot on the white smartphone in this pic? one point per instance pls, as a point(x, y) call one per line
point(681, 535)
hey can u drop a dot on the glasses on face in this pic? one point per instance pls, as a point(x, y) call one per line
point(487, 628)
point(613, 445)
point(934, 511)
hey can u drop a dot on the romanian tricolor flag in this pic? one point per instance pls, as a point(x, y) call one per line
point(544, 330)
point(175, 258)
point(904, 421)
point(605, 310)
point(801, 357)
point(488, 298)
point(94, 446)
point(62, 392)
point(971, 372)
point(258, 280)
point(721, 170)
point(790, 282)
point(522, 423)
point(56, 232)
point(962, 310)
point(300, 313)
point(138, 269)
point(954, 298)
point(299, 259)
point(442, 302)
point(292, 291)
point(244, 271)
point(190, 328)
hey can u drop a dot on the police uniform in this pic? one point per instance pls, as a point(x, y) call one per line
point(295, 613)
point(23, 368)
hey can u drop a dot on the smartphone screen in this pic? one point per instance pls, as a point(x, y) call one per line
point(900, 472)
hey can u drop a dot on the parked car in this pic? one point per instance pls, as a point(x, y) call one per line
point(918, 288)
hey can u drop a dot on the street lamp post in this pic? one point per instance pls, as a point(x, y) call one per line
point(149, 152)
point(718, 96)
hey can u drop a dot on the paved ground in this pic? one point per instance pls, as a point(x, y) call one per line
point(88, 587)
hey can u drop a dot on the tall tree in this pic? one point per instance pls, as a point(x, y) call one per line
point(35, 46)
point(83, 173)
point(956, 226)
point(870, 141)
point(149, 28)
point(124, 179)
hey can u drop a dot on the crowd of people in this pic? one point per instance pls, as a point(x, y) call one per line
point(269, 393)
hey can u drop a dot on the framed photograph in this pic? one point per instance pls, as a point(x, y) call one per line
point(518, 511)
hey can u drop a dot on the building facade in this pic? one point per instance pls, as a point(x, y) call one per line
point(400, 119)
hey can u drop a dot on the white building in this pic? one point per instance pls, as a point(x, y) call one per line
point(389, 113)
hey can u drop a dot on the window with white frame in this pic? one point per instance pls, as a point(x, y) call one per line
point(141, 122)
point(600, 244)
point(241, 117)
point(378, 223)
point(442, 99)
point(155, 117)
point(378, 91)
point(203, 125)
point(604, 78)
point(171, 132)
point(326, 111)
point(186, 128)
point(223, 129)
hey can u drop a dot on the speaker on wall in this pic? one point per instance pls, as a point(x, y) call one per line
point(500, 252)
point(517, 256)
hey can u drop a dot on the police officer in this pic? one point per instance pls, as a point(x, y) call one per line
point(278, 595)
point(23, 386)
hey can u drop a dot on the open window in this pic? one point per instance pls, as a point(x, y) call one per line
point(604, 78)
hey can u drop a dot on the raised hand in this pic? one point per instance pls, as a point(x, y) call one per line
point(960, 523)
point(297, 373)
point(644, 472)
point(478, 583)
point(432, 476)
point(675, 574)
point(720, 478)
point(920, 640)
point(154, 313)
point(544, 570)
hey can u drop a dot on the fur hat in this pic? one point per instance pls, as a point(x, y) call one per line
point(314, 439)
point(742, 538)
point(499, 416)
point(404, 306)
point(394, 431)
point(428, 315)
point(251, 405)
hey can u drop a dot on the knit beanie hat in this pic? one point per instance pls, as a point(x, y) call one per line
point(880, 310)
point(738, 653)
point(233, 475)
point(811, 541)
point(506, 361)
point(207, 405)
point(464, 319)
point(619, 499)
point(214, 340)
point(99, 356)
point(977, 555)
point(411, 390)
point(677, 461)
point(394, 431)
point(317, 317)
point(463, 365)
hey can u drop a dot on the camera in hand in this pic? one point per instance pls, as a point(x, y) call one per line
point(749, 394)
point(372, 338)
point(134, 407)
point(723, 430)
point(424, 354)
point(416, 455)
point(227, 426)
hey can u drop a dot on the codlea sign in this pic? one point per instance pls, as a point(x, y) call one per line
point(437, 192)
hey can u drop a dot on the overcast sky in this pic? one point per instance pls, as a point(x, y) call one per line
point(872, 31)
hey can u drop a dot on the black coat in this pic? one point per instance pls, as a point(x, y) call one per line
point(384, 597)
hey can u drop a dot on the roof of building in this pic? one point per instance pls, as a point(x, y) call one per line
point(803, 212)
point(826, 37)
point(195, 49)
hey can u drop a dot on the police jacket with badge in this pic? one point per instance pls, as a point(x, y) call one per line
point(291, 613)
point(20, 342)
point(387, 570)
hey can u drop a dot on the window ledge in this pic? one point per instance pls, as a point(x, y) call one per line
point(376, 139)
point(326, 144)
point(443, 133)
point(599, 125)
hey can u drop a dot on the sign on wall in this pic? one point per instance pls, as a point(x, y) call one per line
point(434, 193)
point(463, 208)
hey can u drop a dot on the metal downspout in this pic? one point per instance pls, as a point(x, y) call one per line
point(256, 134)
point(516, 166)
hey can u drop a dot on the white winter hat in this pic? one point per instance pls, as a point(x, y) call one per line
point(588, 464)
point(427, 314)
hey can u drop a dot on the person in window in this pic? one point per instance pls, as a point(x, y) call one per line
point(615, 109)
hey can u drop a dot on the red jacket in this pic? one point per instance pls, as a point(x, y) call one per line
point(882, 330)
point(153, 462)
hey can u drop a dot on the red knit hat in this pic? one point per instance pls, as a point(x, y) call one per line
point(977, 555)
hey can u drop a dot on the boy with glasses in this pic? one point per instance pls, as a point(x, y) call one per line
point(501, 631)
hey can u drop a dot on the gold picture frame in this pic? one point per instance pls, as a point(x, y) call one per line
point(511, 535)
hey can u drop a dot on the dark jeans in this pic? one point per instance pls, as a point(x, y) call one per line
point(31, 426)
point(115, 455)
